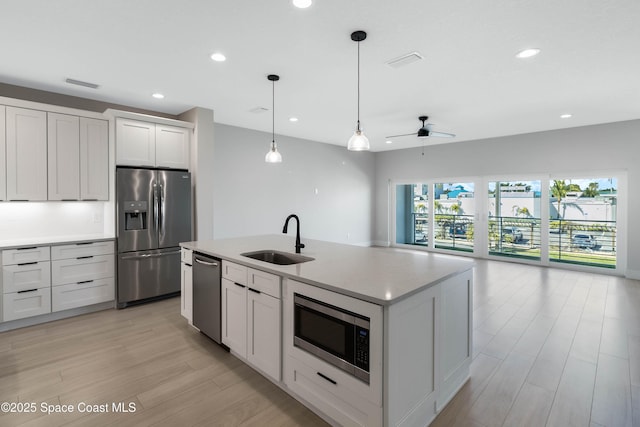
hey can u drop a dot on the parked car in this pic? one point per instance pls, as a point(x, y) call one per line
point(458, 231)
point(584, 241)
point(513, 233)
point(421, 236)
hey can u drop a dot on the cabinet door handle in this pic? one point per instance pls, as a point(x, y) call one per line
point(85, 257)
point(25, 291)
point(326, 378)
point(27, 249)
point(238, 284)
point(27, 263)
point(84, 243)
point(254, 290)
point(84, 281)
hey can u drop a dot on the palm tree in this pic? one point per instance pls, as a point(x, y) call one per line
point(523, 212)
point(559, 191)
point(592, 190)
point(437, 206)
point(456, 209)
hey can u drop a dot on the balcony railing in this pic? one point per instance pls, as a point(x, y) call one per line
point(514, 237)
point(454, 232)
point(583, 242)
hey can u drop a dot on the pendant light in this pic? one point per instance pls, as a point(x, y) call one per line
point(358, 142)
point(273, 156)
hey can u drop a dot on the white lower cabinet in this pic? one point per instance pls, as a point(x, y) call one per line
point(186, 284)
point(234, 316)
point(82, 274)
point(33, 302)
point(73, 295)
point(330, 396)
point(251, 317)
point(26, 282)
point(263, 332)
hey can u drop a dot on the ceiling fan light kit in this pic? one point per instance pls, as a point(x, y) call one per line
point(273, 156)
point(358, 141)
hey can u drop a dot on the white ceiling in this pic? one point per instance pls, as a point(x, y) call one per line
point(469, 83)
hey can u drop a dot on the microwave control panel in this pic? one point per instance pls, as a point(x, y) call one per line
point(362, 348)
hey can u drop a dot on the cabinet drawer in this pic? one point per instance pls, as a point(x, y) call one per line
point(186, 256)
point(264, 282)
point(234, 272)
point(27, 254)
point(22, 277)
point(81, 249)
point(81, 269)
point(19, 305)
point(74, 295)
point(330, 396)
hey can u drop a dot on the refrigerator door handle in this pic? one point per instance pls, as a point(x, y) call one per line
point(160, 212)
point(144, 256)
point(155, 206)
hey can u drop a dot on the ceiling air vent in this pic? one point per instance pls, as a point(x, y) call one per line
point(258, 110)
point(81, 83)
point(403, 60)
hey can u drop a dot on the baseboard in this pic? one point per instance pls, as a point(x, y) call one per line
point(633, 274)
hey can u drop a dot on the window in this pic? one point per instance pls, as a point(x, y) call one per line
point(454, 209)
point(583, 221)
point(514, 219)
point(412, 214)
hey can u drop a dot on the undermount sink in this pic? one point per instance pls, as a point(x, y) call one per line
point(277, 257)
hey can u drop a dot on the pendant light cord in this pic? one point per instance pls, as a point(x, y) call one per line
point(358, 86)
point(273, 112)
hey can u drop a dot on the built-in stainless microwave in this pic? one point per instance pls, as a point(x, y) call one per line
point(333, 334)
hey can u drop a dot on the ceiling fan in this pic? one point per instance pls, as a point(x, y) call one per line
point(425, 131)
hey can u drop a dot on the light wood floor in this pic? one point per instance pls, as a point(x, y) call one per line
point(551, 347)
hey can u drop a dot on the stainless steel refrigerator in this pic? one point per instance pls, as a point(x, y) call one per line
point(153, 217)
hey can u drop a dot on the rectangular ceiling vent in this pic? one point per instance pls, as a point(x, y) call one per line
point(258, 110)
point(81, 83)
point(403, 60)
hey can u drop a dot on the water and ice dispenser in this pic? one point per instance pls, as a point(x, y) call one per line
point(135, 215)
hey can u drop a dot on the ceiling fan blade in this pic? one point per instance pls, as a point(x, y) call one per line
point(396, 136)
point(441, 134)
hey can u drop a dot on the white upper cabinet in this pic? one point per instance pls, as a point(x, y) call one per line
point(78, 157)
point(64, 156)
point(172, 147)
point(140, 143)
point(26, 139)
point(94, 159)
point(135, 143)
point(3, 160)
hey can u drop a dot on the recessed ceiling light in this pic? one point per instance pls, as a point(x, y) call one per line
point(218, 57)
point(302, 4)
point(389, 141)
point(565, 116)
point(528, 53)
point(158, 96)
point(293, 119)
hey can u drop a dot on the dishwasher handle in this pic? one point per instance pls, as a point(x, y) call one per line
point(210, 264)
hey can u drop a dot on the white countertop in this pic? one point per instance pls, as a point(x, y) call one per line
point(379, 275)
point(52, 240)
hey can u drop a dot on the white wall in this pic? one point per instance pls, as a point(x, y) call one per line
point(252, 197)
point(202, 154)
point(590, 149)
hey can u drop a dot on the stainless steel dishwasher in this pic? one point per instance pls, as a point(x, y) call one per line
point(206, 295)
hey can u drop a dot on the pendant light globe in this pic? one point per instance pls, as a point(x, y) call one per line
point(358, 141)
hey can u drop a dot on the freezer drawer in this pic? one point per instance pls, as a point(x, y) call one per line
point(148, 274)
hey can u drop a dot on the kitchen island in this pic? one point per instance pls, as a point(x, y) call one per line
point(419, 306)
